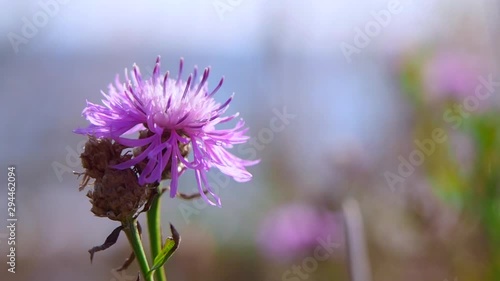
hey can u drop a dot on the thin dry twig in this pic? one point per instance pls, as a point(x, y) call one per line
point(359, 263)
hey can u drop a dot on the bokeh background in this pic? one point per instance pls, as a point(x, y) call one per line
point(359, 108)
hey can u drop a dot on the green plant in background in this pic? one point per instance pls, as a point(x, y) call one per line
point(460, 105)
point(485, 180)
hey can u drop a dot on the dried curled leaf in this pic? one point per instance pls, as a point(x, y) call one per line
point(127, 262)
point(110, 241)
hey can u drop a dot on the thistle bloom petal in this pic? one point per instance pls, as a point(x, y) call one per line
point(175, 113)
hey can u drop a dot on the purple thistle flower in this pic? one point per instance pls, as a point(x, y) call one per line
point(175, 113)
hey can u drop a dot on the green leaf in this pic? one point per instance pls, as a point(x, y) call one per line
point(171, 244)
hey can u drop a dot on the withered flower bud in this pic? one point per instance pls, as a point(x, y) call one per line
point(116, 193)
point(100, 153)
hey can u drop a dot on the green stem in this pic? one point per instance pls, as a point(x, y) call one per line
point(154, 229)
point(136, 243)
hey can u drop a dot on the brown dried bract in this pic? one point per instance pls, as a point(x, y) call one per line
point(98, 154)
point(116, 193)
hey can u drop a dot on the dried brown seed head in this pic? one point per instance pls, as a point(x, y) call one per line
point(116, 193)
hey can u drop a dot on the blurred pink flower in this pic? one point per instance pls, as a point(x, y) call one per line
point(296, 229)
point(451, 75)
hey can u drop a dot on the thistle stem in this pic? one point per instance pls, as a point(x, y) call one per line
point(155, 237)
point(136, 243)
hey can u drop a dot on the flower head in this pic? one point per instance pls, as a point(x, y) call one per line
point(172, 117)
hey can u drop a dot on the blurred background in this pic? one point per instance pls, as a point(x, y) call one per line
point(391, 103)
